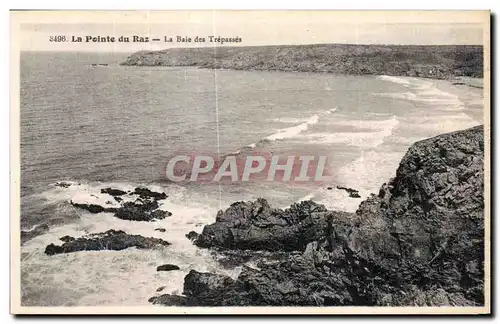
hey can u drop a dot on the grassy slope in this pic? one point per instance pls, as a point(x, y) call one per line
point(423, 61)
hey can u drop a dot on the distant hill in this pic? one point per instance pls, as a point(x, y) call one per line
point(441, 61)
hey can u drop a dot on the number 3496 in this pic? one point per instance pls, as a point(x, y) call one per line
point(57, 38)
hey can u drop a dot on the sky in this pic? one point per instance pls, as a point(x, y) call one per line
point(253, 27)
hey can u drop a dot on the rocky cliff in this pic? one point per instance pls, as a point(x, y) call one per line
point(398, 60)
point(418, 242)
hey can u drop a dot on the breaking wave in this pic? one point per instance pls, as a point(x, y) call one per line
point(370, 135)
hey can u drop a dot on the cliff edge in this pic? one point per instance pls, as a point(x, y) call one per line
point(432, 61)
point(418, 242)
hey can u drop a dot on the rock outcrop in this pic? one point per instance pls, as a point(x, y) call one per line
point(142, 204)
point(167, 267)
point(147, 211)
point(113, 192)
point(418, 242)
point(353, 193)
point(257, 226)
point(109, 240)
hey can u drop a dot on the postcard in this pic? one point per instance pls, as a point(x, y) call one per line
point(250, 162)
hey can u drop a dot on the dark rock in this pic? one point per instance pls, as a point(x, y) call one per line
point(160, 229)
point(230, 259)
point(109, 240)
point(160, 214)
point(208, 289)
point(167, 267)
point(94, 209)
point(169, 300)
point(52, 249)
point(134, 211)
point(160, 288)
point(353, 193)
point(37, 230)
point(257, 226)
point(145, 193)
point(113, 192)
point(145, 208)
point(67, 238)
point(63, 184)
point(198, 282)
point(420, 241)
point(329, 188)
point(192, 235)
point(141, 212)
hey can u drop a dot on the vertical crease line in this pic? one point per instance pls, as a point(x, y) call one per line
point(216, 105)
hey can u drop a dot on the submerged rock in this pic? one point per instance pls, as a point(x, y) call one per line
point(192, 236)
point(146, 193)
point(167, 267)
point(353, 193)
point(113, 192)
point(109, 240)
point(94, 209)
point(169, 300)
point(257, 226)
point(420, 241)
point(67, 238)
point(63, 184)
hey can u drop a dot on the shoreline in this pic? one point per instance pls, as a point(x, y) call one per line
point(439, 62)
point(454, 80)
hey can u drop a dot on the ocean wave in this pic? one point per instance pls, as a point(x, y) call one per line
point(440, 124)
point(104, 276)
point(289, 132)
point(372, 134)
point(426, 92)
point(282, 134)
point(293, 131)
point(331, 111)
point(399, 80)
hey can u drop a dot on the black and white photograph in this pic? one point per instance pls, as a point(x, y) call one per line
point(317, 162)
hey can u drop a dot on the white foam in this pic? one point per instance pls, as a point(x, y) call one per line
point(429, 126)
point(306, 198)
point(291, 132)
point(397, 95)
point(336, 199)
point(360, 173)
point(399, 80)
point(379, 131)
point(294, 131)
point(289, 120)
point(104, 277)
point(331, 111)
point(427, 92)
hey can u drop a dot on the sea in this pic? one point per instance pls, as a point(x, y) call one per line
point(96, 126)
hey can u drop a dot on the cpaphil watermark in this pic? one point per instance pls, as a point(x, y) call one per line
point(256, 167)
